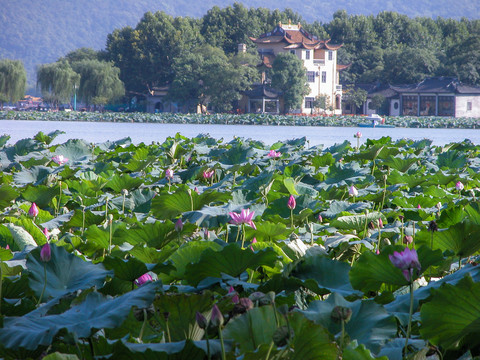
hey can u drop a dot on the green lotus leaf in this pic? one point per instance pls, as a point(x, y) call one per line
point(357, 222)
point(4, 139)
point(451, 216)
point(156, 234)
point(35, 175)
point(253, 328)
point(399, 163)
point(360, 352)
point(185, 349)
point(189, 253)
point(25, 146)
point(7, 195)
point(322, 160)
point(95, 312)
point(311, 341)
point(169, 206)
point(411, 180)
point(21, 237)
point(451, 159)
point(231, 260)
point(47, 138)
point(128, 270)
point(120, 182)
point(237, 154)
point(86, 219)
point(40, 194)
point(461, 238)
point(28, 225)
point(269, 231)
point(393, 350)
point(473, 211)
point(452, 317)
point(65, 273)
point(370, 324)
point(372, 270)
point(337, 207)
point(330, 275)
point(182, 309)
point(75, 150)
point(346, 174)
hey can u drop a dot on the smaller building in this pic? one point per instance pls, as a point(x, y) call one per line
point(157, 101)
point(261, 99)
point(436, 96)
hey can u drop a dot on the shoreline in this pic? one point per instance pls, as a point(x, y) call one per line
point(243, 119)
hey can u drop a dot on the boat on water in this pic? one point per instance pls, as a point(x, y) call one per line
point(375, 121)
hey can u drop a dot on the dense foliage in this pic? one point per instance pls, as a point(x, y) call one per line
point(199, 249)
point(13, 81)
point(245, 119)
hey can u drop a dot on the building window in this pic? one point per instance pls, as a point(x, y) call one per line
point(292, 52)
point(311, 76)
point(427, 105)
point(324, 76)
point(330, 55)
point(307, 55)
point(395, 105)
point(469, 106)
point(309, 102)
point(410, 105)
point(446, 106)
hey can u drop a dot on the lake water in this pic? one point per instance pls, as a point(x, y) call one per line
point(148, 133)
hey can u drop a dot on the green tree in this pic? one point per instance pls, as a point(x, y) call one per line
point(322, 103)
point(57, 82)
point(354, 97)
point(379, 103)
point(99, 82)
point(289, 76)
point(463, 60)
point(207, 75)
point(13, 81)
point(82, 54)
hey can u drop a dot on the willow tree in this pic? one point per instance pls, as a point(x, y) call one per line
point(13, 81)
point(99, 82)
point(57, 82)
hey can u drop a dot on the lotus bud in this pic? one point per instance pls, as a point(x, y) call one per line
point(341, 313)
point(380, 223)
point(432, 226)
point(291, 204)
point(201, 320)
point(459, 186)
point(358, 135)
point(196, 190)
point(46, 253)
point(217, 317)
point(320, 219)
point(246, 303)
point(46, 233)
point(125, 192)
point(407, 239)
point(179, 225)
point(143, 279)
point(439, 205)
point(169, 174)
point(419, 206)
point(235, 298)
point(206, 233)
point(352, 191)
point(33, 211)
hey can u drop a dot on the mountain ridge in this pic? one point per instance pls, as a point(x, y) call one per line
point(42, 31)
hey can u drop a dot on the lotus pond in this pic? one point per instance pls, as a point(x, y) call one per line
point(198, 249)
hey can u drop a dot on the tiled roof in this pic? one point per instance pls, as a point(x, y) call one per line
point(262, 91)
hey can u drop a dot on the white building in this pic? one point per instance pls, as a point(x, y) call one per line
point(319, 58)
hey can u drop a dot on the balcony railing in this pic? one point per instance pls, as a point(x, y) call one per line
point(318, 62)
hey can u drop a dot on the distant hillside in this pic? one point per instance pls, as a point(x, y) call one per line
point(41, 31)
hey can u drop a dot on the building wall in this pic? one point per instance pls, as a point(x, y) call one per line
point(462, 107)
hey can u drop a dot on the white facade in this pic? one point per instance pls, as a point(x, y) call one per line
point(319, 59)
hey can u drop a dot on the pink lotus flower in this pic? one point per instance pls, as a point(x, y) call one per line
point(46, 233)
point(179, 225)
point(358, 135)
point(254, 241)
point(46, 253)
point(274, 155)
point(320, 219)
point(33, 211)
point(169, 174)
point(352, 191)
point(419, 206)
point(143, 279)
point(59, 159)
point(216, 317)
point(291, 204)
point(459, 186)
point(245, 217)
point(407, 261)
point(208, 174)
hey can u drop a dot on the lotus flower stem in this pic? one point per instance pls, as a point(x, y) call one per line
point(110, 223)
point(413, 235)
point(224, 357)
point(57, 210)
point(226, 233)
point(83, 218)
point(402, 229)
point(1, 284)
point(269, 351)
point(191, 199)
point(243, 235)
point(92, 349)
point(143, 325)
point(44, 284)
point(409, 328)
point(384, 190)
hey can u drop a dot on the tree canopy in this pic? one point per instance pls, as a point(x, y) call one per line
point(57, 81)
point(13, 81)
point(289, 75)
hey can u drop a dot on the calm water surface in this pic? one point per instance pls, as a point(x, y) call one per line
point(148, 133)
